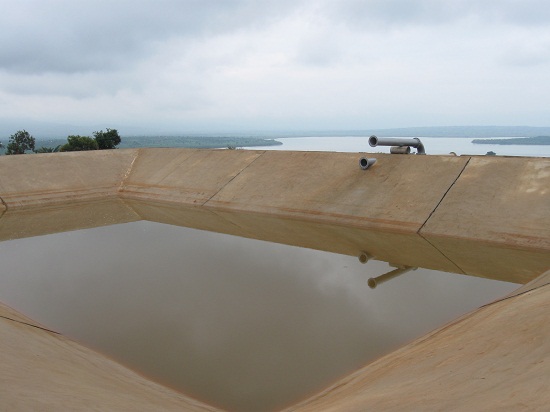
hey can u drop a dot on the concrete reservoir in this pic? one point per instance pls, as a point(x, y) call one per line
point(481, 216)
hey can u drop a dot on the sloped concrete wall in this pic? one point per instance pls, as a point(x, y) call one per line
point(448, 202)
point(398, 194)
point(184, 176)
point(444, 204)
point(495, 358)
point(21, 222)
point(41, 179)
point(503, 201)
point(44, 371)
point(498, 203)
point(491, 199)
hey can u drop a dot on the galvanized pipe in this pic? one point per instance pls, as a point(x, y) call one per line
point(397, 142)
point(400, 149)
point(365, 162)
point(373, 282)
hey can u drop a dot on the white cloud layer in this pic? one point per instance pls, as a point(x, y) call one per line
point(237, 65)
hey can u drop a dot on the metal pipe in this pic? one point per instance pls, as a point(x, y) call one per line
point(400, 149)
point(373, 282)
point(365, 162)
point(364, 257)
point(399, 142)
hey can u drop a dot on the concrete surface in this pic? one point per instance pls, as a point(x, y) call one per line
point(493, 359)
point(484, 216)
point(491, 200)
point(475, 215)
point(400, 248)
point(188, 176)
point(405, 249)
point(493, 260)
point(505, 202)
point(64, 217)
point(395, 194)
point(44, 371)
point(39, 179)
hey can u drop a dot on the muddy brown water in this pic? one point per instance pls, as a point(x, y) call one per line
point(242, 324)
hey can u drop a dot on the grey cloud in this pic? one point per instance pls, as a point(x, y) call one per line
point(527, 55)
point(77, 86)
point(270, 64)
point(66, 36)
point(521, 13)
point(318, 53)
point(377, 13)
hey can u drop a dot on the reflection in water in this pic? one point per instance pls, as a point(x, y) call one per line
point(373, 282)
point(246, 325)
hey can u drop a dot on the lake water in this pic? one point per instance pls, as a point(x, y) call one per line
point(242, 324)
point(433, 145)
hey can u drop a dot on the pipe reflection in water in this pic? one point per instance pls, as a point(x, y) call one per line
point(243, 324)
point(364, 257)
point(373, 282)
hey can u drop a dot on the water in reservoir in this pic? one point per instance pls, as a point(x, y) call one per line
point(242, 324)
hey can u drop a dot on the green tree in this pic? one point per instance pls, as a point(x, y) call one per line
point(76, 143)
point(107, 140)
point(20, 142)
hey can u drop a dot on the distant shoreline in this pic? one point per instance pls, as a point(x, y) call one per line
point(47, 131)
point(187, 142)
point(525, 141)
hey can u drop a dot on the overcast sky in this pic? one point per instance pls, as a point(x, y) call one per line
point(200, 65)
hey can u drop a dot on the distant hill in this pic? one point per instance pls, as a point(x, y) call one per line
point(465, 131)
point(197, 142)
point(51, 130)
point(538, 140)
point(428, 131)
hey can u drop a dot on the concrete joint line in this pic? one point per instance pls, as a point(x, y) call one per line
point(433, 211)
point(5, 207)
point(30, 324)
point(515, 295)
point(128, 172)
point(445, 195)
point(443, 254)
point(233, 178)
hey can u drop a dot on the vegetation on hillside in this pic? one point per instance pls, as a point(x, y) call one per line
point(78, 143)
point(20, 142)
point(197, 141)
point(110, 139)
point(107, 140)
point(101, 141)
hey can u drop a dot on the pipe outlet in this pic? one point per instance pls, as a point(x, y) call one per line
point(365, 162)
point(398, 142)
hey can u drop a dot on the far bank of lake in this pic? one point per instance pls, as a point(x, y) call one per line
point(353, 144)
point(433, 145)
point(531, 141)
